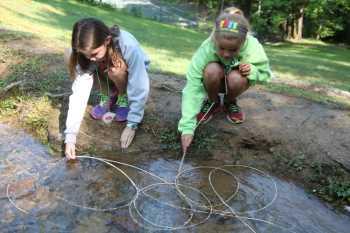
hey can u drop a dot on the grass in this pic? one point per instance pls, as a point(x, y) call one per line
point(311, 61)
point(202, 142)
point(27, 105)
point(169, 47)
point(341, 102)
point(31, 112)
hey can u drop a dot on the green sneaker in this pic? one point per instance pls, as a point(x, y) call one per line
point(122, 108)
point(122, 101)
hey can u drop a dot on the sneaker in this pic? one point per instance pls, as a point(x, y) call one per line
point(122, 108)
point(98, 111)
point(234, 113)
point(208, 109)
point(106, 104)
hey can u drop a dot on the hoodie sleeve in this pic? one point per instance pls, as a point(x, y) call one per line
point(255, 55)
point(194, 93)
point(77, 104)
point(138, 84)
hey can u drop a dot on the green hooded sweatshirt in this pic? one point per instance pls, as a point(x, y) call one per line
point(194, 93)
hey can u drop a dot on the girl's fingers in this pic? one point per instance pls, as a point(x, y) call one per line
point(70, 151)
point(127, 137)
point(245, 73)
point(244, 66)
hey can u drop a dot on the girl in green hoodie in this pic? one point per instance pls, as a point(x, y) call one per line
point(229, 61)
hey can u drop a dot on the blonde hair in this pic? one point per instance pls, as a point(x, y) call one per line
point(236, 16)
point(233, 10)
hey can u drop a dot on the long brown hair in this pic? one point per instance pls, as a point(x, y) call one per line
point(89, 34)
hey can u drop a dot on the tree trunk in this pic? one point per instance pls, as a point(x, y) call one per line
point(259, 7)
point(290, 27)
point(318, 32)
point(299, 35)
point(284, 30)
point(295, 29)
point(222, 5)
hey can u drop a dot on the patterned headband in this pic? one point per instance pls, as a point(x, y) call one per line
point(230, 26)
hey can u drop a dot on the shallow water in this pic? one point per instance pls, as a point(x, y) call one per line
point(41, 193)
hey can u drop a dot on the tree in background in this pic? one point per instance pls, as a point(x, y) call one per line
point(327, 19)
point(284, 19)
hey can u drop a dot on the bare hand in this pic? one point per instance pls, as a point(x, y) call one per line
point(244, 69)
point(127, 137)
point(117, 69)
point(114, 73)
point(70, 151)
point(186, 140)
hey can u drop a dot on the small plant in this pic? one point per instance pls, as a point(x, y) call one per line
point(338, 189)
point(203, 141)
point(169, 139)
point(2, 83)
point(298, 162)
point(7, 105)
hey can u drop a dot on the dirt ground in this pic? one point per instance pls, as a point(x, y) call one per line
point(288, 136)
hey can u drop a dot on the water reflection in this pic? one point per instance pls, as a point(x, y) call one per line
point(50, 195)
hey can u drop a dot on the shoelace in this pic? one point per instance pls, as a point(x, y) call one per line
point(122, 101)
point(234, 107)
point(206, 106)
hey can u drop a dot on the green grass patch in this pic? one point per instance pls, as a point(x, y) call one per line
point(310, 95)
point(8, 106)
point(34, 72)
point(202, 143)
point(311, 61)
point(6, 35)
point(170, 47)
point(31, 112)
point(52, 82)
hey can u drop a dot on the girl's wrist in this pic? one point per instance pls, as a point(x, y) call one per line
point(132, 125)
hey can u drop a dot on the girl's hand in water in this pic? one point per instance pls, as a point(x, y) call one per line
point(244, 69)
point(70, 151)
point(127, 137)
point(186, 140)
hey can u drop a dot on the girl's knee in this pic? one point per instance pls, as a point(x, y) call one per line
point(237, 81)
point(213, 71)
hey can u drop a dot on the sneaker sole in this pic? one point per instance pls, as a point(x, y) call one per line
point(235, 122)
